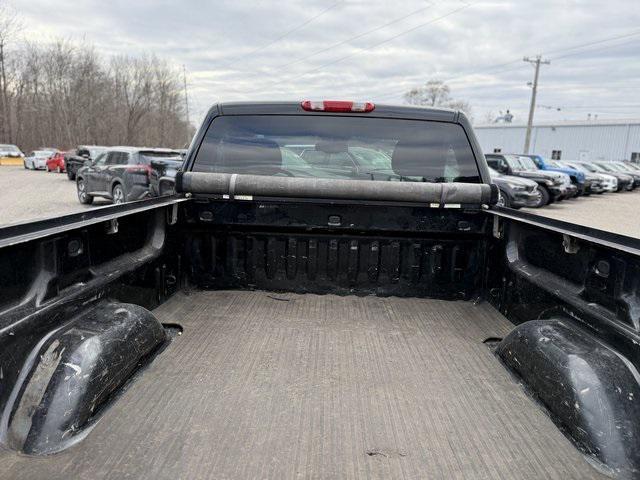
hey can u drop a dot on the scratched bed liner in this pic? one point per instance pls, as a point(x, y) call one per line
point(264, 385)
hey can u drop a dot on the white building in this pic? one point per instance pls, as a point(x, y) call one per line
point(592, 140)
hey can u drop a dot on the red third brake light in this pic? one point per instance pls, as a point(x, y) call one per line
point(337, 106)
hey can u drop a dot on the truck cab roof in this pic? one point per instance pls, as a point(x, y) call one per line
point(292, 107)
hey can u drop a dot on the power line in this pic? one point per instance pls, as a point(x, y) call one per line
point(388, 40)
point(287, 33)
point(347, 40)
point(453, 79)
point(593, 50)
point(553, 58)
point(491, 68)
point(404, 32)
point(575, 107)
point(355, 37)
point(596, 42)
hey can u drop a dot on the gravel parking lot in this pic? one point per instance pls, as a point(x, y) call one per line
point(29, 195)
point(613, 212)
point(35, 194)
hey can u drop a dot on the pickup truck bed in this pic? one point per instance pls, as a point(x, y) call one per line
point(387, 323)
point(279, 385)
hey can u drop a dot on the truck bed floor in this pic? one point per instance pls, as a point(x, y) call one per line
point(264, 385)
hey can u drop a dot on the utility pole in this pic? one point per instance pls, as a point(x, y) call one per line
point(536, 62)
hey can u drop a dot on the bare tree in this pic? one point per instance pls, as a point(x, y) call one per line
point(167, 102)
point(61, 95)
point(9, 26)
point(133, 82)
point(435, 93)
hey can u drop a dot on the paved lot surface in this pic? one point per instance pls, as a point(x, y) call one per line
point(35, 194)
point(613, 212)
point(29, 195)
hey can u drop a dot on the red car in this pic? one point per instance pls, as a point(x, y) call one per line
point(55, 163)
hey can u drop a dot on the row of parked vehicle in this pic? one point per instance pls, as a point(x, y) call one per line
point(535, 181)
point(49, 159)
point(119, 174)
point(123, 174)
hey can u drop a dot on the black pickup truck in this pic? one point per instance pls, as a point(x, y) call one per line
point(77, 158)
point(261, 324)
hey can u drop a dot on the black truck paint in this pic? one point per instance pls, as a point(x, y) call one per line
point(572, 293)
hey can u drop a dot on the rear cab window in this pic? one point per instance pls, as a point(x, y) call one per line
point(341, 147)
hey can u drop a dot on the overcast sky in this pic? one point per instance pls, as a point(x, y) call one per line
point(373, 50)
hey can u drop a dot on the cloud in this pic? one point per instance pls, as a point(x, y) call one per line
point(476, 47)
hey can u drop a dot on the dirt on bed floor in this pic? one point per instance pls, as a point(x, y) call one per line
point(263, 385)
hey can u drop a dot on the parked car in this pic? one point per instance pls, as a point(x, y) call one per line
point(10, 155)
point(600, 182)
point(553, 186)
point(623, 168)
point(56, 163)
point(37, 160)
point(610, 182)
point(120, 174)
point(593, 182)
point(625, 182)
point(516, 192)
point(576, 176)
point(76, 159)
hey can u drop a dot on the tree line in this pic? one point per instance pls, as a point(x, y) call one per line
point(62, 95)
